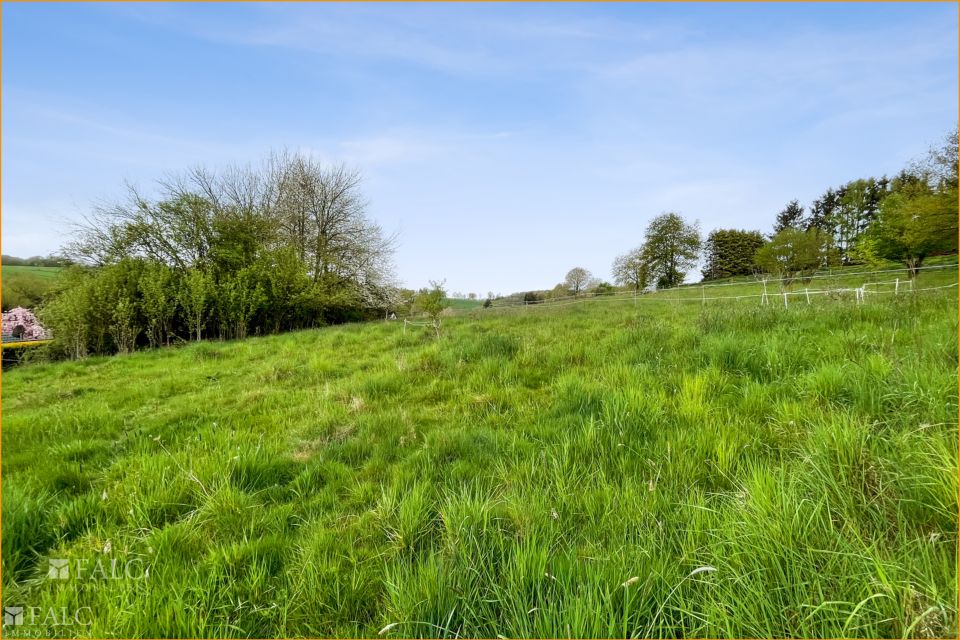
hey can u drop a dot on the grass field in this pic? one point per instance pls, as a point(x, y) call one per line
point(460, 304)
point(47, 273)
point(610, 468)
point(27, 286)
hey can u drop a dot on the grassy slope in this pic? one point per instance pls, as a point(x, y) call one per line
point(460, 304)
point(508, 478)
point(27, 286)
point(48, 273)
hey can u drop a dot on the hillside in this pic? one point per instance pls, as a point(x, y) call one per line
point(47, 273)
point(651, 467)
point(26, 286)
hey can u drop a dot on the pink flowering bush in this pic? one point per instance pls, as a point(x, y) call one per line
point(20, 323)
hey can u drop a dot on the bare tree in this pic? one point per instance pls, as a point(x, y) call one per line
point(577, 279)
point(631, 269)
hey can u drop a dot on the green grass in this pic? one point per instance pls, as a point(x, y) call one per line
point(460, 304)
point(47, 273)
point(27, 286)
point(605, 469)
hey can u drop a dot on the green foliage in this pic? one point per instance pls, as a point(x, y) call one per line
point(27, 286)
point(575, 471)
point(158, 302)
point(603, 289)
point(193, 296)
point(914, 222)
point(791, 216)
point(794, 253)
point(248, 250)
point(670, 249)
point(731, 252)
point(431, 300)
point(632, 269)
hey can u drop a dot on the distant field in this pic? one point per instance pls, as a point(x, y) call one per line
point(610, 468)
point(27, 286)
point(49, 273)
point(460, 304)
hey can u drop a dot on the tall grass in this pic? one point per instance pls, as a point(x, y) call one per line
point(606, 469)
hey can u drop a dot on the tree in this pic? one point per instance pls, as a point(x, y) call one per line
point(66, 315)
point(857, 206)
point(793, 253)
point(821, 212)
point(631, 270)
point(671, 249)
point(914, 223)
point(791, 216)
point(577, 279)
point(158, 301)
point(730, 252)
point(431, 301)
point(919, 216)
point(281, 246)
point(194, 298)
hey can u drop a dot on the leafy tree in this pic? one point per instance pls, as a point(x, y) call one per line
point(431, 301)
point(914, 223)
point(730, 252)
point(67, 314)
point(822, 212)
point(791, 216)
point(158, 302)
point(577, 279)
point(794, 253)
point(858, 203)
point(194, 297)
point(671, 249)
point(602, 288)
point(632, 270)
point(239, 298)
point(919, 216)
point(124, 327)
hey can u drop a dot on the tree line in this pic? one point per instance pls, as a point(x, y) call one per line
point(253, 250)
point(865, 221)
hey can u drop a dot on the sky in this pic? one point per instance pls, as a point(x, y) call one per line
point(504, 143)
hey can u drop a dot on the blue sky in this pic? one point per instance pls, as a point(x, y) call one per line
point(506, 143)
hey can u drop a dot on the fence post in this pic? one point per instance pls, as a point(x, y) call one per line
point(807, 291)
point(784, 299)
point(896, 287)
point(763, 298)
point(703, 295)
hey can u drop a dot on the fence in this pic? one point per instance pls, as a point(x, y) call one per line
point(859, 293)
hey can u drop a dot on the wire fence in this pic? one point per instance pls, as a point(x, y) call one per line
point(766, 296)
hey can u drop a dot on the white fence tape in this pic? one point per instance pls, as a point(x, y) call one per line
point(858, 293)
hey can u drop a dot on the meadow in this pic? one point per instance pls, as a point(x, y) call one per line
point(616, 468)
point(27, 286)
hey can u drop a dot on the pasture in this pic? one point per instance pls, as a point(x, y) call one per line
point(25, 286)
point(614, 468)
